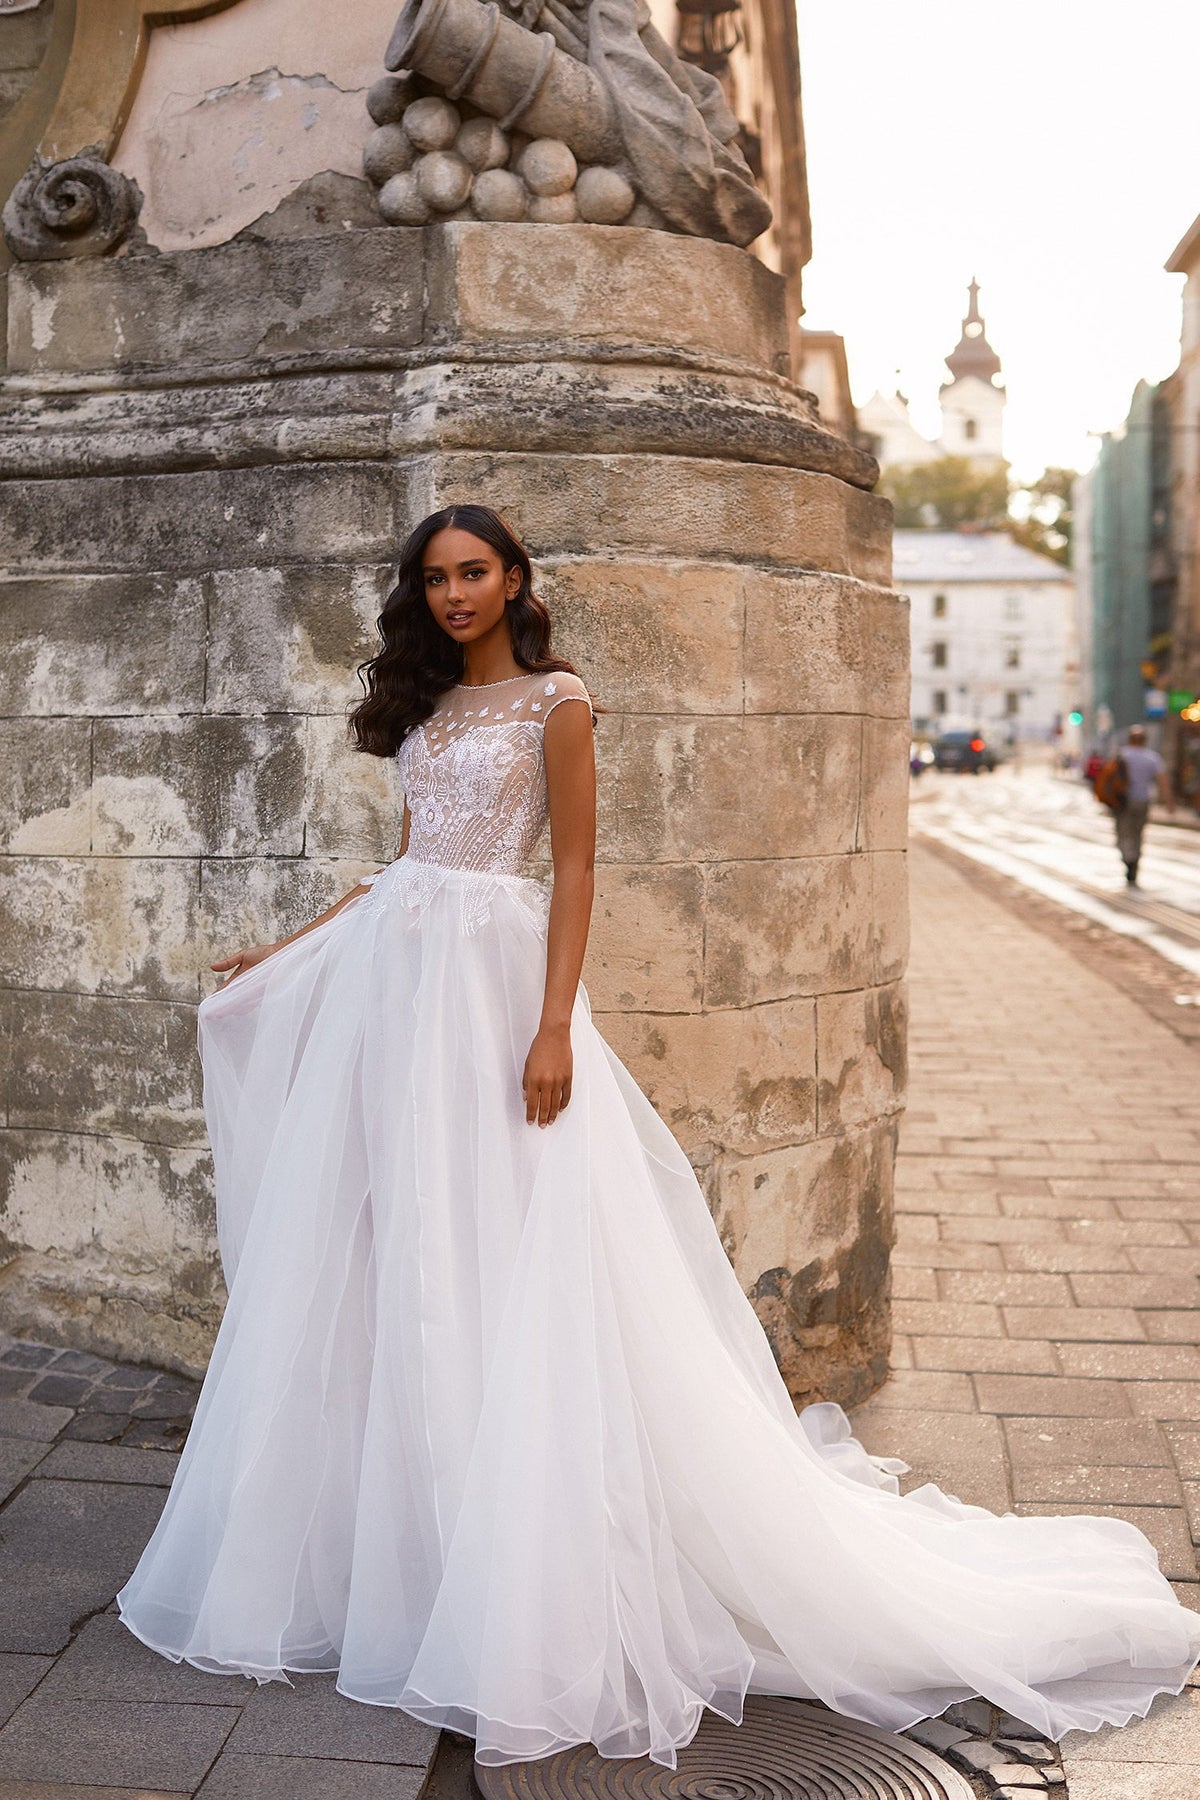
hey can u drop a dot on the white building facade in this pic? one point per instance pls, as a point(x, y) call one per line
point(993, 635)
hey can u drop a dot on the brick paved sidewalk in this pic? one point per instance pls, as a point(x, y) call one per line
point(1047, 1302)
point(87, 1450)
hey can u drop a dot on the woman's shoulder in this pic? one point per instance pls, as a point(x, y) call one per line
point(546, 691)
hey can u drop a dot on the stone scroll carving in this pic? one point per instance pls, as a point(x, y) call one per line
point(551, 111)
point(77, 207)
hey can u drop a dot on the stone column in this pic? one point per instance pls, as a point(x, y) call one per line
point(238, 439)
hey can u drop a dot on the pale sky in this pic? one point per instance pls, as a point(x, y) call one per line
point(1049, 147)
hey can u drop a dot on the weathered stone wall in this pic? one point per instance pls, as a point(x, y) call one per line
point(208, 462)
point(22, 48)
point(234, 109)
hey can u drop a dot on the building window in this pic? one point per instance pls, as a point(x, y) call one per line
point(1012, 653)
point(939, 606)
point(1012, 606)
point(969, 428)
point(938, 653)
point(1012, 703)
point(939, 701)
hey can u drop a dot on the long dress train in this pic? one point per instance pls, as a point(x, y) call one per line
point(491, 1429)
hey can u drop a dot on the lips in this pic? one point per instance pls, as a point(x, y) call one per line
point(459, 618)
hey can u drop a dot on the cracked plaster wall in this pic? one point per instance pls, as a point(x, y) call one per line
point(235, 111)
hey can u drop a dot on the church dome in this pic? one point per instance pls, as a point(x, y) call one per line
point(973, 355)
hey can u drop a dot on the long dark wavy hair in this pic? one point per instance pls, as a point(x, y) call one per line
point(417, 661)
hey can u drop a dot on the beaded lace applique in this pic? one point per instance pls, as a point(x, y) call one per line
point(475, 781)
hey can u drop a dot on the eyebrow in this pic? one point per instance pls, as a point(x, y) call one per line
point(472, 562)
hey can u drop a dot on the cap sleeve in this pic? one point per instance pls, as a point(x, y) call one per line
point(553, 689)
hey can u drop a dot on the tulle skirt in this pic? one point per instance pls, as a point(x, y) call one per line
point(491, 1430)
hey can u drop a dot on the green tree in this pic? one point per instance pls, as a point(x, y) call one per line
point(1045, 518)
point(953, 491)
point(948, 492)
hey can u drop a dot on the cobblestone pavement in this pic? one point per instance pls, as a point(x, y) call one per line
point(87, 1451)
point(1047, 1303)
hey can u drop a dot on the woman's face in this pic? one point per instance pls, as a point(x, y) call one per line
point(466, 584)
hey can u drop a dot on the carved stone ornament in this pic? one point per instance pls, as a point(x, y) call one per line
point(77, 207)
point(552, 111)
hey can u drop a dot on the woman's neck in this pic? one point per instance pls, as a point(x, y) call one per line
point(489, 660)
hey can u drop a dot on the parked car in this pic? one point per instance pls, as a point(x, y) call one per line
point(965, 751)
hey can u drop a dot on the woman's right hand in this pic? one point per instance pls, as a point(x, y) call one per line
point(242, 960)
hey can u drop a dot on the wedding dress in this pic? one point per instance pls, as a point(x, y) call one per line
point(491, 1429)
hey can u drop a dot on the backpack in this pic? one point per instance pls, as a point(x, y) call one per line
point(1111, 786)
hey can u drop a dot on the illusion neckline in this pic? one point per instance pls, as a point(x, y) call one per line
point(475, 687)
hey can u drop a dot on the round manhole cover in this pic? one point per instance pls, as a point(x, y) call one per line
point(782, 1750)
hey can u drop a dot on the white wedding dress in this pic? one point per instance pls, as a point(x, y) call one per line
point(490, 1427)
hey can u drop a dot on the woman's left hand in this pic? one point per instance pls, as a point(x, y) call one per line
point(547, 1077)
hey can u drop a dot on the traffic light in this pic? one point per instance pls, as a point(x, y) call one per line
point(1076, 717)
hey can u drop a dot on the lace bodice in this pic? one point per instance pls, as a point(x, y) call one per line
point(474, 776)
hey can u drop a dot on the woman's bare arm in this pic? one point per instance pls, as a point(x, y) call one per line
point(361, 888)
point(571, 789)
point(246, 959)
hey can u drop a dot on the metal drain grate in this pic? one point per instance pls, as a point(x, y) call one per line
point(783, 1750)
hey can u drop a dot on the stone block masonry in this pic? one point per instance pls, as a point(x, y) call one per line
point(208, 461)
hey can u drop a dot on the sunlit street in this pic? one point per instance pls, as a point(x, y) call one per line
point(1047, 831)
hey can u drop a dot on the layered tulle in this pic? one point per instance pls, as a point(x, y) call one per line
point(491, 1430)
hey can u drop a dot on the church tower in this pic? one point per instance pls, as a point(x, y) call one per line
point(973, 400)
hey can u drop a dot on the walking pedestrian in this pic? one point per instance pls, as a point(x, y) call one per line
point(1144, 772)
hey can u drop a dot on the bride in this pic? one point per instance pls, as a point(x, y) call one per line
point(489, 1427)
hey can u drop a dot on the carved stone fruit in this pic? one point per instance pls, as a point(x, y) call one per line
point(388, 151)
point(388, 97)
point(499, 195)
point(444, 180)
point(604, 196)
point(401, 201)
point(548, 166)
point(481, 143)
point(432, 123)
point(552, 209)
